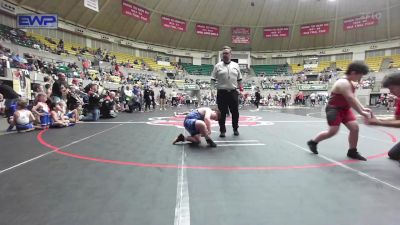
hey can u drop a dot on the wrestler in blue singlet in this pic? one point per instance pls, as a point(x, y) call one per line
point(190, 122)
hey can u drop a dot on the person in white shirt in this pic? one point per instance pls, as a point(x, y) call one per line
point(228, 79)
point(312, 98)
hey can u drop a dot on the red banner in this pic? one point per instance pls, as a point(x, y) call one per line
point(173, 23)
point(276, 32)
point(314, 29)
point(137, 12)
point(371, 19)
point(241, 35)
point(208, 30)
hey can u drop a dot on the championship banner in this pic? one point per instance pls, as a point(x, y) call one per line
point(370, 19)
point(276, 32)
point(22, 83)
point(241, 35)
point(92, 4)
point(173, 23)
point(137, 12)
point(314, 29)
point(207, 30)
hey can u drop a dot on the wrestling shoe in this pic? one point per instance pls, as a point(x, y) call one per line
point(313, 146)
point(354, 154)
point(180, 138)
point(211, 143)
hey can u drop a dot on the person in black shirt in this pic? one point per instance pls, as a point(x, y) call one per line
point(258, 98)
point(11, 98)
point(147, 100)
point(153, 101)
point(56, 92)
point(9, 95)
point(93, 111)
point(107, 109)
point(162, 98)
point(8, 92)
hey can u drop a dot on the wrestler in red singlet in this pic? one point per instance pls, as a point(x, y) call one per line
point(338, 109)
point(397, 112)
point(392, 82)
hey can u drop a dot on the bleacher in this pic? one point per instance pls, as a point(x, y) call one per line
point(297, 68)
point(204, 69)
point(270, 70)
point(396, 61)
point(121, 57)
point(342, 64)
point(156, 67)
point(67, 45)
point(125, 58)
point(374, 63)
point(322, 66)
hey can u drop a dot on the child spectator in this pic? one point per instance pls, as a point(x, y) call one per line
point(23, 118)
point(41, 110)
point(57, 116)
point(69, 114)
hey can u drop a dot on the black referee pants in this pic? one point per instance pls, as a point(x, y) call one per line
point(228, 100)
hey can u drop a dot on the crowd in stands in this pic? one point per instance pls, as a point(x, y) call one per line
point(58, 104)
point(86, 56)
point(64, 104)
point(367, 83)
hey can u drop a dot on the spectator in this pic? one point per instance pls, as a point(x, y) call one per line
point(147, 98)
point(312, 99)
point(257, 98)
point(23, 118)
point(41, 110)
point(69, 114)
point(2, 105)
point(11, 98)
point(107, 109)
point(58, 86)
point(174, 98)
point(153, 100)
point(162, 98)
point(93, 111)
point(57, 116)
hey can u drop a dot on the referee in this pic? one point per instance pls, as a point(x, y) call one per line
point(228, 79)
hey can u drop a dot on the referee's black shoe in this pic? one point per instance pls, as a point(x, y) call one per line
point(235, 132)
